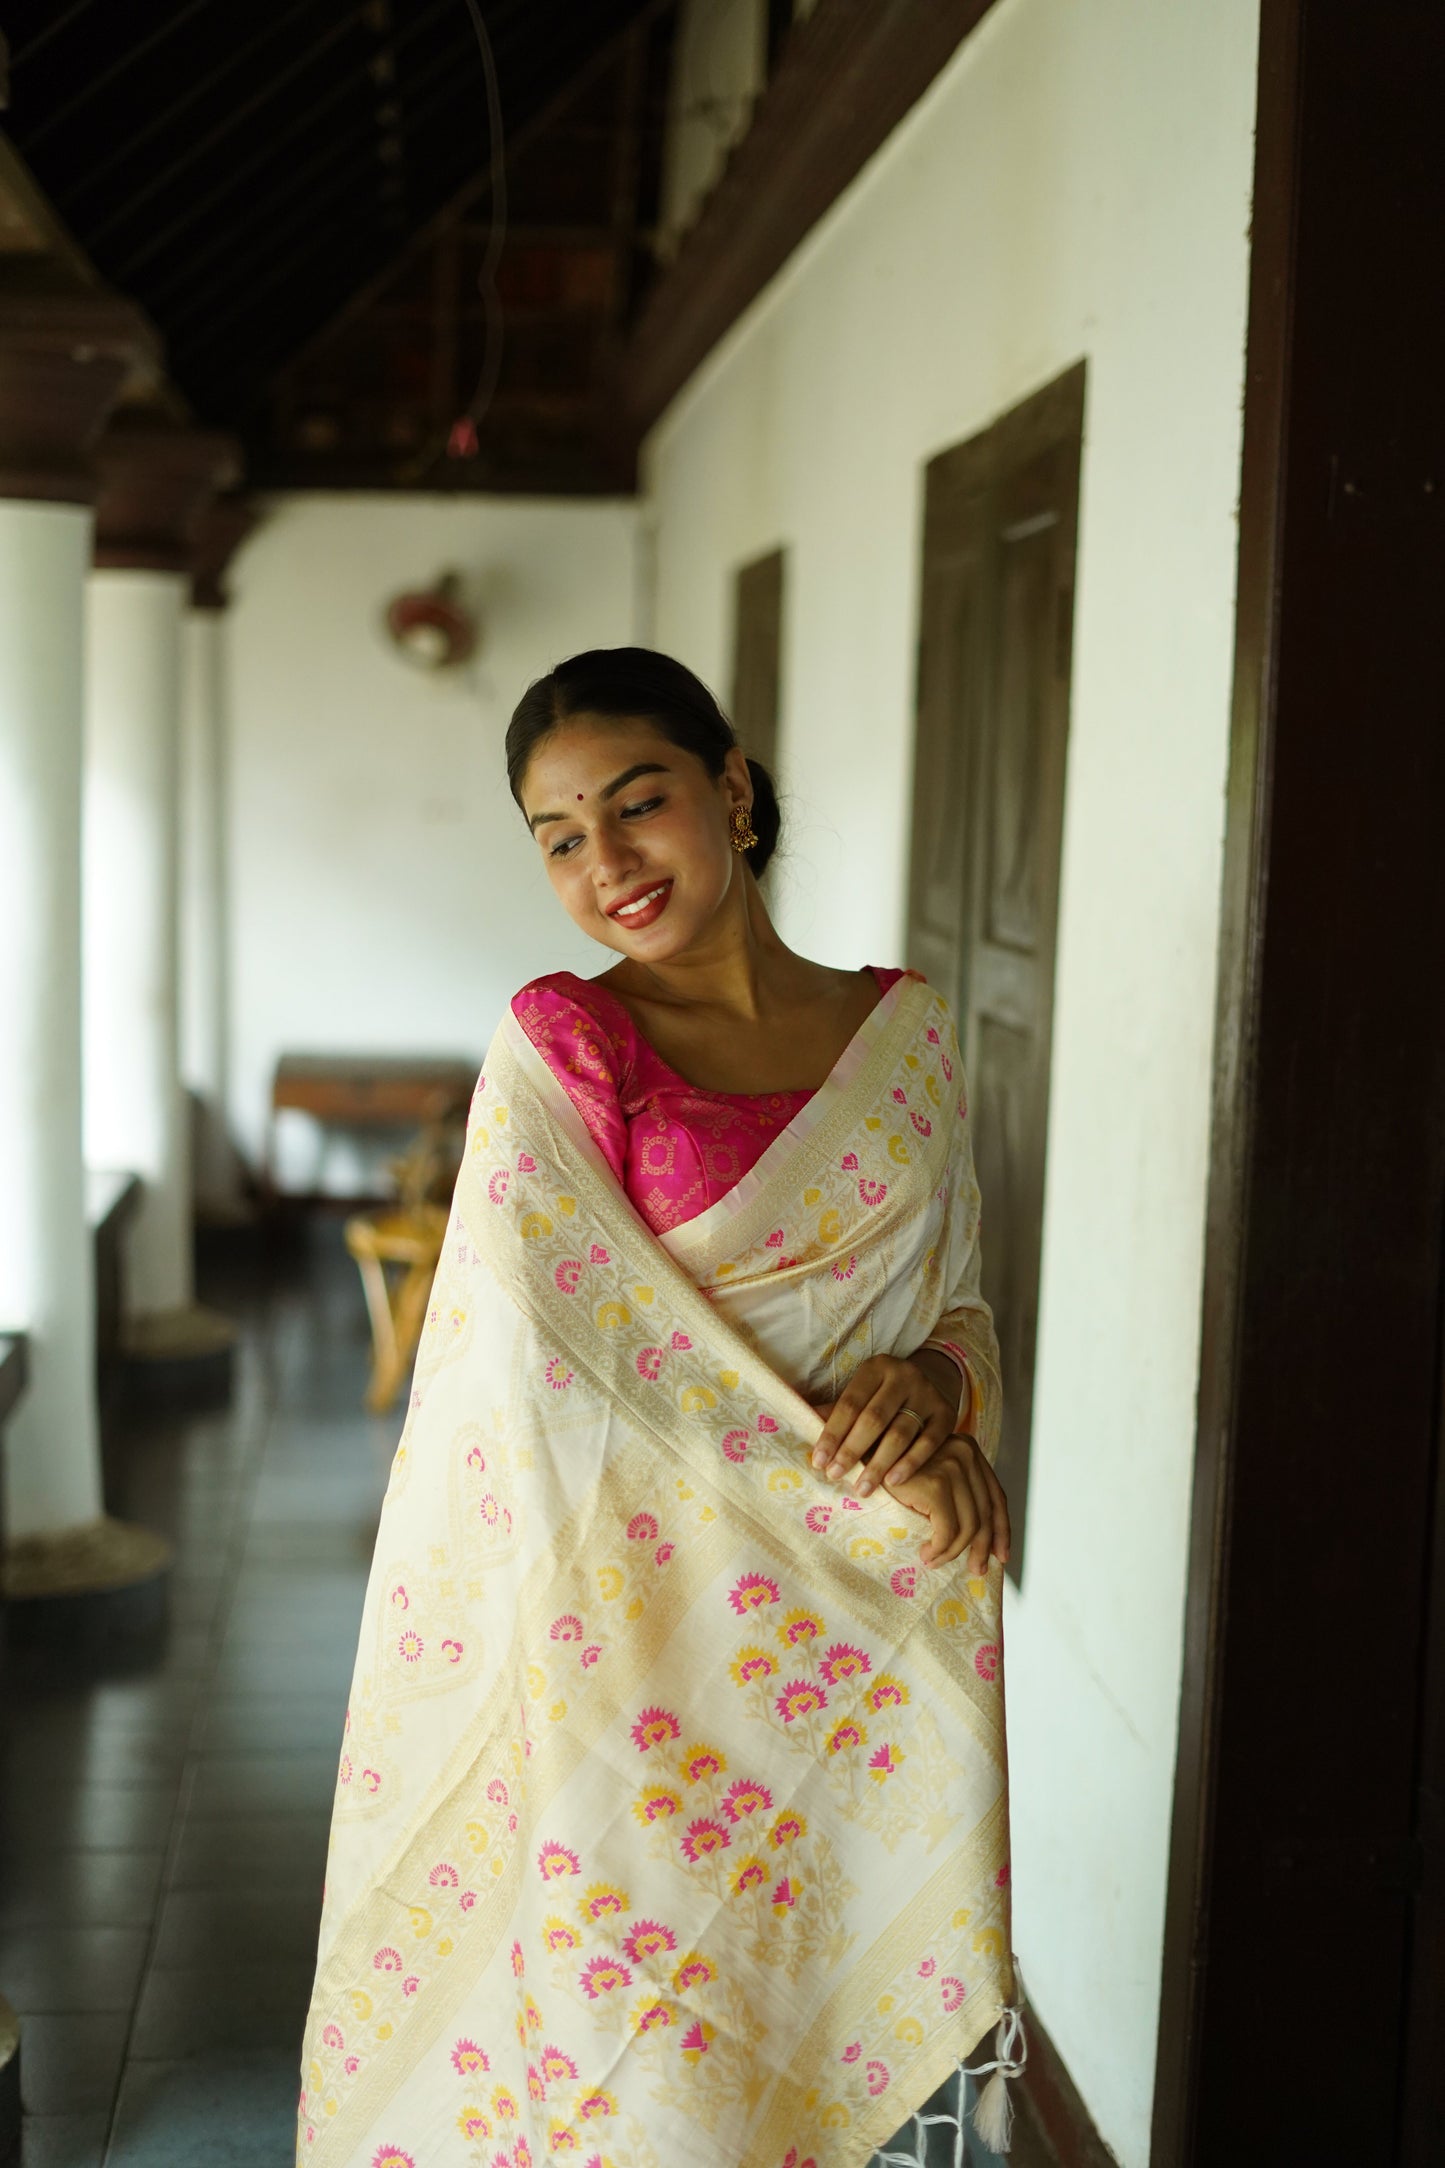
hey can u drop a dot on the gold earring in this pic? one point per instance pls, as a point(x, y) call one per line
point(740, 823)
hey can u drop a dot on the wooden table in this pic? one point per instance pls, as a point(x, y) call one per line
point(366, 1094)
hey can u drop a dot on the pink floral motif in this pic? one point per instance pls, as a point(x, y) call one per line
point(904, 1582)
point(525, 1163)
point(568, 1275)
point(931, 1036)
point(473, 2125)
point(1002, 1878)
point(504, 2105)
point(900, 1098)
point(657, 1803)
point(842, 1271)
point(593, 2106)
point(391, 2156)
point(590, 1655)
point(681, 1342)
point(410, 1647)
point(663, 1553)
point(735, 1445)
point(849, 1163)
point(371, 1779)
point(784, 1897)
point(793, 2159)
point(800, 1697)
point(985, 1661)
point(746, 1797)
point(948, 1077)
point(566, 1628)
point(344, 1773)
point(654, 1727)
point(787, 1829)
point(694, 1971)
point(702, 1761)
point(928, 1968)
point(351, 2065)
point(878, 2078)
point(852, 2052)
point(649, 1938)
point(766, 1424)
point(452, 1650)
point(752, 1592)
point(887, 1692)
point(642, 1528)
point(748, 1876)
point(536, 2083)
point(467, 1899)
point(843, 1661)
point(652, 2017)
point(558, 1935)
point(752, 1663)
point(697, 2040)
point(798, 1627)
point(333, 2037)
point(410, 1984)
point(602, 1975)
point(817, 1518)
point(921, 1123)
point(649, 1363)
point(519, 1962)
point(387, 1960)
point(844, 1735)
point(883, 1763)
point(598, 1255)
point(400, 1598)
point(951, 1991)
point(702, 1838)
point(774, 1241)
point(872, 1193)
point(603, 1900)
point(497, 1187)
point(497, 1792)
point(558, 1376)
point(556, 2065)
point(555, 1861)
point(444, 1875)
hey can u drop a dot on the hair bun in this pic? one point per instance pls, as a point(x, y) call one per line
point(767, 819)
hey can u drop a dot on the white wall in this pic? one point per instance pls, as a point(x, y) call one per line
point(1077, 182)
point(384, 894)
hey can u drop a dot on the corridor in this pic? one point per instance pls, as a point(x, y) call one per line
point(165, 1813)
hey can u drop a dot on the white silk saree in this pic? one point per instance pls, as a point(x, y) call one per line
point(671, 1826)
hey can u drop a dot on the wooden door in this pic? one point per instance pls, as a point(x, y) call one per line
point(1000, 524)
point(758, 656)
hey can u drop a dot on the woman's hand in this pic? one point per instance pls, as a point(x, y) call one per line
point(896, 1412)
point(965, 1505)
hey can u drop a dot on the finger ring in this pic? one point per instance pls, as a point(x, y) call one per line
point(916, 1417)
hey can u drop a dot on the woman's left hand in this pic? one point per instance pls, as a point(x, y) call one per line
point(893, 1411)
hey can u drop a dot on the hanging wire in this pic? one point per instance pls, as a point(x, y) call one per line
point(463, 441)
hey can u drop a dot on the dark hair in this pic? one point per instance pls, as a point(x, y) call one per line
point(637, 681)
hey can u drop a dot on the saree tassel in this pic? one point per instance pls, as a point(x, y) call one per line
point(993, 2111)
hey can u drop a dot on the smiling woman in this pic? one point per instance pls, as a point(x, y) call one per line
point(706, 1359)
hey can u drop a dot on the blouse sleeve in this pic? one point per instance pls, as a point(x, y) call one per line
point(965, 1329)
point(584, 1059)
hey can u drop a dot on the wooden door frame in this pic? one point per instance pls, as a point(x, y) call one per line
point(1320, 1375)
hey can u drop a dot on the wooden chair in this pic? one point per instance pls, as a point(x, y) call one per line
point(396, 1252)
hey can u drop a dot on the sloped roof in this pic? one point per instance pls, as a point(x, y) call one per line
point(245, 172)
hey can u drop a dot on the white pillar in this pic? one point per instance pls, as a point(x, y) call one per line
point(135, 1116)
point(52, 1457)
point(203, 907)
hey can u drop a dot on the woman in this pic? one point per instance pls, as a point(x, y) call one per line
point(671, 1821)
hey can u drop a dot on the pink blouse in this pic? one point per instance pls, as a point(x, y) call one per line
point(674, 1148)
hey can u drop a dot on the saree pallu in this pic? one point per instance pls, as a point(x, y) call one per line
point(671, 1819)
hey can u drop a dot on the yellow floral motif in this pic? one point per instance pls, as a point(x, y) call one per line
point(695, 1399)
point(798, 1626)
point(610, 1581)
point(601, 1899)
point(612, 1316)
point(898, 1151)
point(783, 1480)
point(830, 1226)
point(535, 1226)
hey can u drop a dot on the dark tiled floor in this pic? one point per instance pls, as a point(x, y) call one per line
point(164, 1816)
